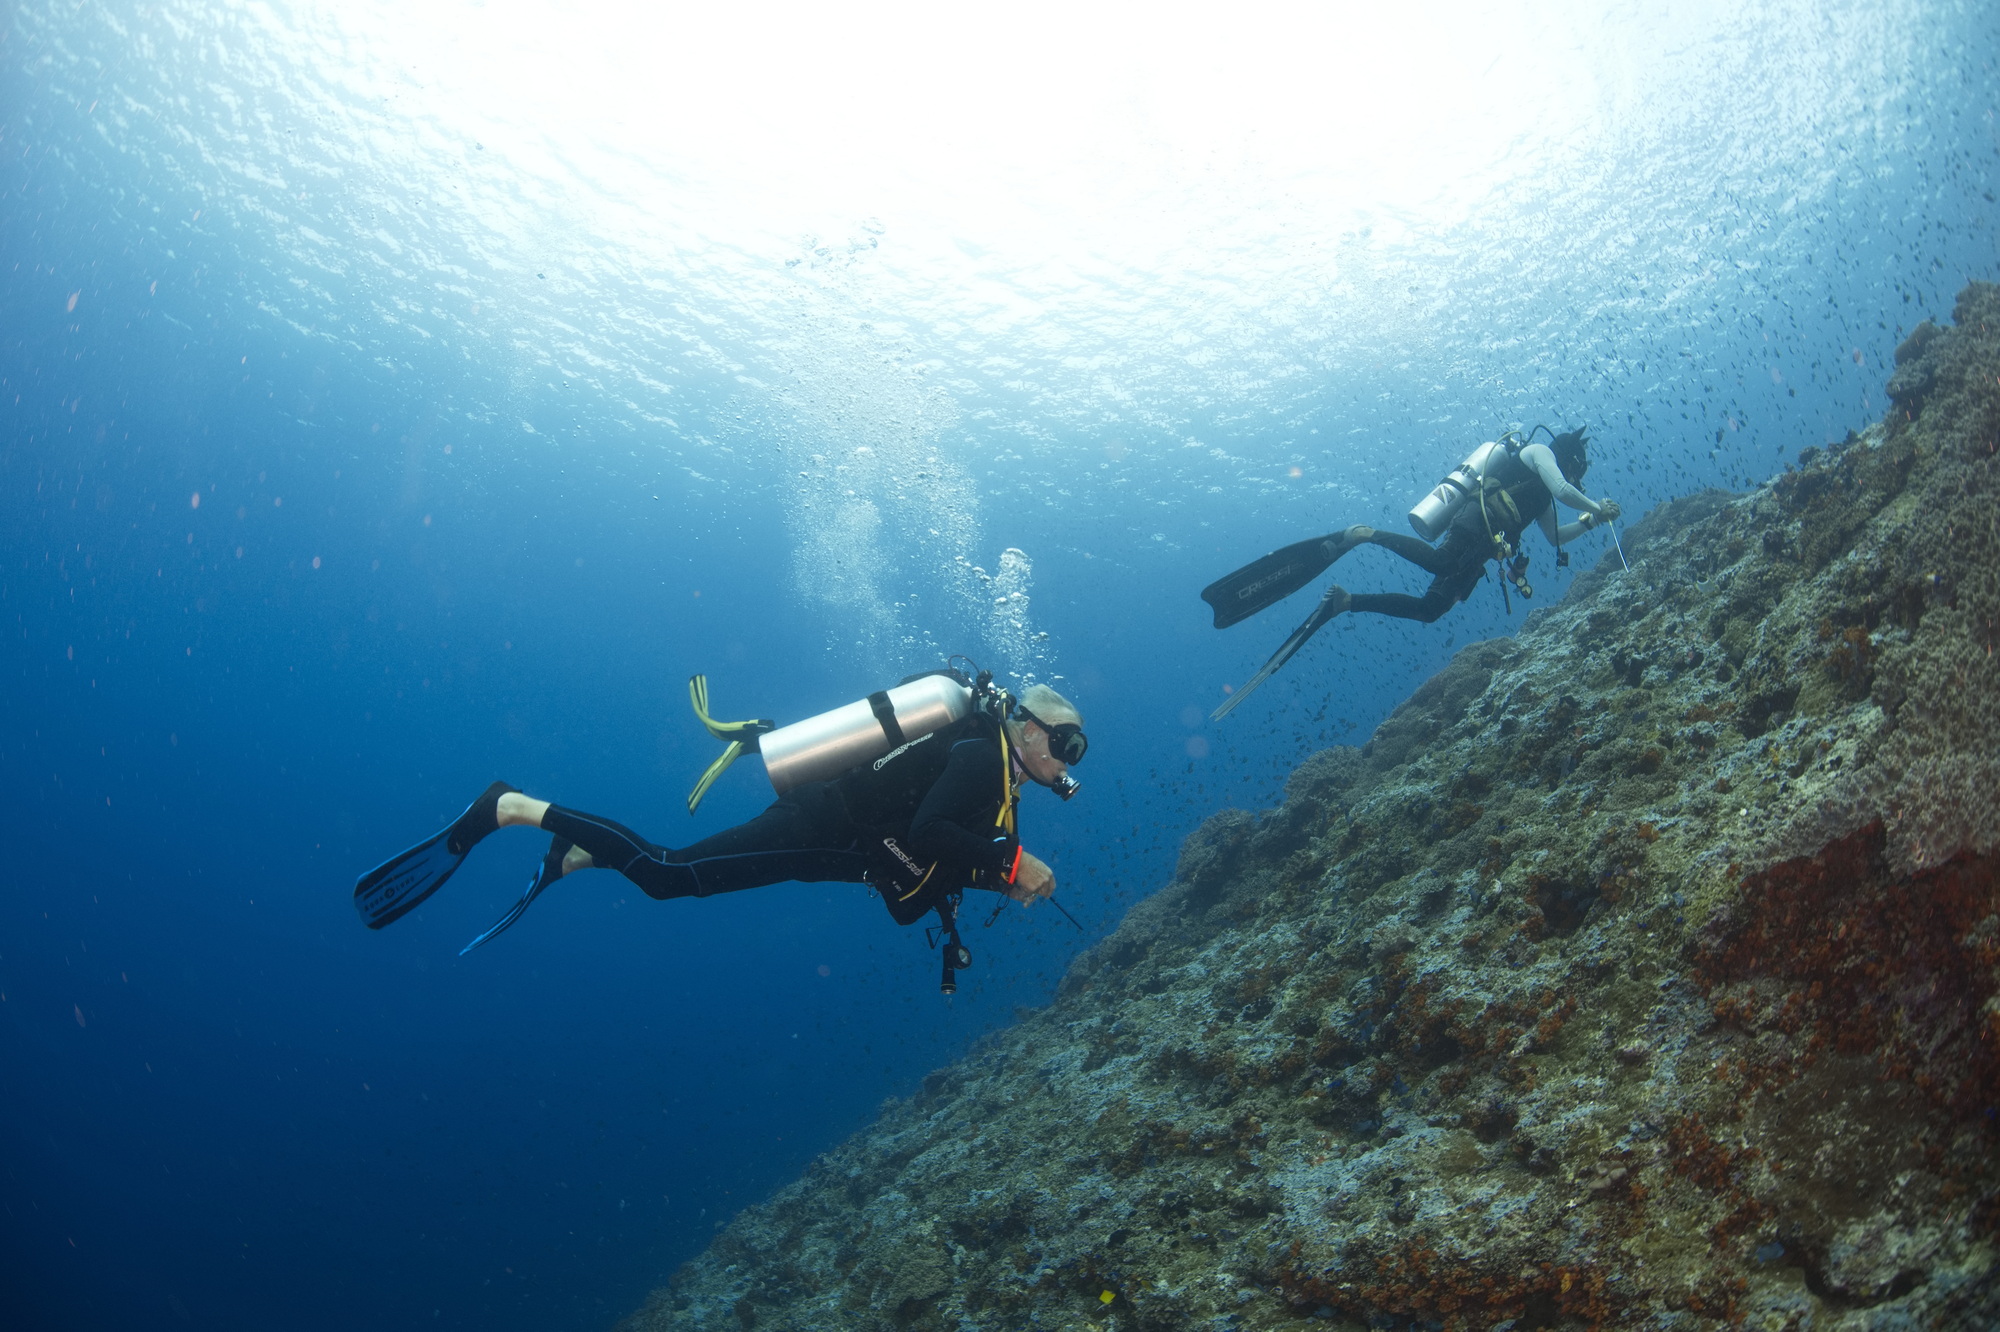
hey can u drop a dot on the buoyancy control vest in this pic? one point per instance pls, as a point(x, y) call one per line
point(1491, 487)
point(883, 798)
point(1512, 497)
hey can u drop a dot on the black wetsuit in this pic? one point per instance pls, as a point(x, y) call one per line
point(916, 824)
point(1459, 561)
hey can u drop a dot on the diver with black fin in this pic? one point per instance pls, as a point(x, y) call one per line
point(399, 886)
point(912, 791)
point(1482, 509)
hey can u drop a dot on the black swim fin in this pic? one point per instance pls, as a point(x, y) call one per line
point(550, 870)
point(397, 887)
point(1334, 602)
point(1266, 582)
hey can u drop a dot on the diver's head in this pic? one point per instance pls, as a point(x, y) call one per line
point(1047, 732)
point(1570, 456)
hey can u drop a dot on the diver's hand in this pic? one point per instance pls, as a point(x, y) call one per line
point(1608, 511)
point(1034, 879)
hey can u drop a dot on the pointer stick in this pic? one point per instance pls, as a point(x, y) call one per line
point(1620, 546)
point(1051, 901)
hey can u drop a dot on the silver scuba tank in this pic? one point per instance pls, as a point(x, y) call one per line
point(1434, 512)
point(825, 746)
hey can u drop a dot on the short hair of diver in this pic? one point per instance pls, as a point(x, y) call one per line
point(1050, 706)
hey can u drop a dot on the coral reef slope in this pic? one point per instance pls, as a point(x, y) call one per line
point(1640, 971)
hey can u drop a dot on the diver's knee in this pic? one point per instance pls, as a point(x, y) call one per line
point(662, 881)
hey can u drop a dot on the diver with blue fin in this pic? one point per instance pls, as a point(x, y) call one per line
point(1482, 509)
point(911, 790)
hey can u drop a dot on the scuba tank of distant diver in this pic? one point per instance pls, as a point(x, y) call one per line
point(1434, 512)
point(822, 747)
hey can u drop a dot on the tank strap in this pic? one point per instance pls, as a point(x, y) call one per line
point(885, 715)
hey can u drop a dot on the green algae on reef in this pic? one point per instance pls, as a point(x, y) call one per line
point(1641, 971)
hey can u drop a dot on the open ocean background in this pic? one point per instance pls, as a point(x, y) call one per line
point(395, 397)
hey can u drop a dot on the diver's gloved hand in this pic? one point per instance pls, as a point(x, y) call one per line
point(1608, 511)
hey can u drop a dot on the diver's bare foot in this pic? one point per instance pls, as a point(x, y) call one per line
point(1348, 540)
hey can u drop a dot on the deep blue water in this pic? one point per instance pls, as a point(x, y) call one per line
point(367, 433)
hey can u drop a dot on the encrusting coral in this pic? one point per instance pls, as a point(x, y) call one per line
point(1642, 970)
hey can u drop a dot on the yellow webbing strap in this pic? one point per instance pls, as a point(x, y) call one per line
point(742, 737)
point(920, 883)
point(1010, 794)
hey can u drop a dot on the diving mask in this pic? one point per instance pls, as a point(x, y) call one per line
point(1067, 742)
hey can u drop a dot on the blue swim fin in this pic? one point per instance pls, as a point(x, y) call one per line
point(548, 873)
point(397, 887)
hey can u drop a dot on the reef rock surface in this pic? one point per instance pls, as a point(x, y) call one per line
point(1640, 971)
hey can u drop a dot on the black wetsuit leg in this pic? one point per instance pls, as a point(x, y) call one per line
point(1457, 565)
point(804, 836)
